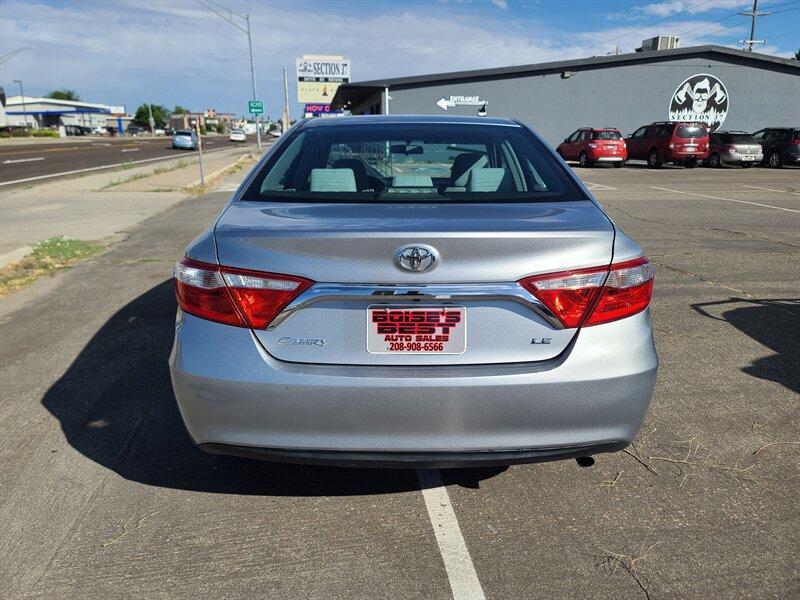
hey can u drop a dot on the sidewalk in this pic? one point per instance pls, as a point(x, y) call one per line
point(101, 206)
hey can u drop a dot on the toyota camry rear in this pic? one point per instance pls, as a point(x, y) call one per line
point(413, 291)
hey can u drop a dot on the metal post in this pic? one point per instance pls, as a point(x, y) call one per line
point(386, 100)
point(253, 79)
point(200, 152)
point(286, 100)
point(151, 120)
point(22, 94)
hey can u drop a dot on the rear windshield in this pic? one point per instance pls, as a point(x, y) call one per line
point(412, 162)
point(690, 131)
point(738, 138)
point(797, 134)
point(606, 135)
point(183, 133)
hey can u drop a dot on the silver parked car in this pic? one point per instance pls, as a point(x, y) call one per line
point(733, 148)
point(413, 291)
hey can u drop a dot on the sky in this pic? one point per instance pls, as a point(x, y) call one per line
point(178, 52)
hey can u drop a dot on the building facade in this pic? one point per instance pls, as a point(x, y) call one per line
point(727, 89)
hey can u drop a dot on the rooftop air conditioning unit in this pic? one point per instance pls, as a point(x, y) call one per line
point(660, 42)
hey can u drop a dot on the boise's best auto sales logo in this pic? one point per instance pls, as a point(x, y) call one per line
point(701, 99)
point(417, 325)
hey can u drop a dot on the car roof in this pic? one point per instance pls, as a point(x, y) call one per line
point(408, 119)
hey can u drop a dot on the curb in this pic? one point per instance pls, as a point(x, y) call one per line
point(211, 177)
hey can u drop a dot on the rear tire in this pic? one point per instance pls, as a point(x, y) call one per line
point(775, 160)
point(619, 165)
point(715, 161)
point(654, 160)
point(584, 160)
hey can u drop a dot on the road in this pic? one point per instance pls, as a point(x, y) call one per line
point(20, 163)
point(102, 494)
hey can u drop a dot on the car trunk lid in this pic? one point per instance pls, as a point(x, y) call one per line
point(349, 250)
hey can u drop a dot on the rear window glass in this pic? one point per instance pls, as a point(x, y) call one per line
point(738, 138)
point(690, 131)
point(797, 135)
point(416, 162)
point(606, 135)
point(183, 133)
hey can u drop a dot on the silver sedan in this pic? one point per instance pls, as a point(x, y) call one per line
point(413, 291)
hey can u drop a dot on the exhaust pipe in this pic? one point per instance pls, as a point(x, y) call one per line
point(585, 461)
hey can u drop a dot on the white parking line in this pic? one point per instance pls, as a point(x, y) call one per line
point(755, 187)
point(130, 149)
point(457, 562)
point(598, 186)
point(19, 160)
point(726, 199)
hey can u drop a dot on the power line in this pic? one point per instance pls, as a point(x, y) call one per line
point(777, 12)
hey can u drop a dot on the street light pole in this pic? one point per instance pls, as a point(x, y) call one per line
point(13, 53)
point(22, 95)
point(216, 8)
point(253, 79)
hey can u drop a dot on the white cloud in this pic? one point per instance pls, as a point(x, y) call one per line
point(671, 7)
point(501, 4)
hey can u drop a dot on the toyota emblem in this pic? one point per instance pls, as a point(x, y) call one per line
point(416, 258)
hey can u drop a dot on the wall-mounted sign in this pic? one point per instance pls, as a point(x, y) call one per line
point(318, 77)
point(453, 101)
point(701, 98)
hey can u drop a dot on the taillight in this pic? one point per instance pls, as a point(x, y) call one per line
point(592, 145)
point(239, 297)
point(595, 295)
point(729, 149)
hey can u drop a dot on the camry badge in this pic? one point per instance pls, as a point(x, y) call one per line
point(416, 258)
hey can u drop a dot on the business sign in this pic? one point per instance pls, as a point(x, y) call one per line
point(318, 77)
point(255, 107)
point(701, 98)
point(320, 110)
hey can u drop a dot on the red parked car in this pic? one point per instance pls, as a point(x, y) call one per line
point(589, 145)
point(679, 143)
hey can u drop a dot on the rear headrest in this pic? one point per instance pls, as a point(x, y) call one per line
point(412, 181)
point(359, 170)
point(485, 180)
point(332, 180)
point(463, 164)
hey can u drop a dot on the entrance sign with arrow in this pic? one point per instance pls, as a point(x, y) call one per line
point(453, 101)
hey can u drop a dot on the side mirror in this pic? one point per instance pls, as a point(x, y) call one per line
point(630, 135)
point(565, 140)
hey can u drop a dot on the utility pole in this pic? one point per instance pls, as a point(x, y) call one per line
point(22, 95)
point(753, 14)
point(220, 11)
point(285, 122)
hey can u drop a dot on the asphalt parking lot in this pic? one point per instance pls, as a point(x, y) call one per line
point(103, 495)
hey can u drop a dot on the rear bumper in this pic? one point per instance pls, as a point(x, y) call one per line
point(618, 158)
point(737, 158)
point(411, 460)
point(233, 395)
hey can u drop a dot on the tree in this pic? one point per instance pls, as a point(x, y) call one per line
point(64, 94)
point(160, 115)
point(179, 110)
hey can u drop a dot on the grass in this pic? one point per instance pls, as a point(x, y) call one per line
point(46, 258)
